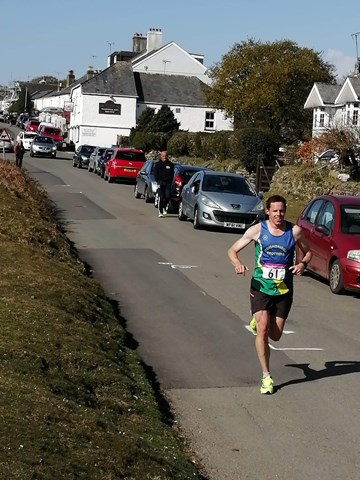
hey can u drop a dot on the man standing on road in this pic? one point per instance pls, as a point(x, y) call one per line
point(164, 172)
point(19, 153)
point(271, 291)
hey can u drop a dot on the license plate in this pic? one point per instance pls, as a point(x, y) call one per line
point(130, 170)
point(234, 225)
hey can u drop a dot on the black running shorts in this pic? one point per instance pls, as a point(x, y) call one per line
point(277, 305)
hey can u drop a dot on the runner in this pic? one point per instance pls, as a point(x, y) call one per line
point(271, 291)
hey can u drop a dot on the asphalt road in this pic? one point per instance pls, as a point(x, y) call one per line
point(188, 312)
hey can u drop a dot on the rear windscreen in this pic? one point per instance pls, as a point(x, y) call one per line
point(132, 156)
point(51, 131)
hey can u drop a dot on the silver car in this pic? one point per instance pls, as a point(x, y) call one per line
point(43, 147)
point(219, 199)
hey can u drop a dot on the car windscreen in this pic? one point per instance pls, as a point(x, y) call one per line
point(350, 219)
point(227, 184)
point(44, 140)
point(52, 131)
point(87, 149)
point(132, 156)
point(28, 136)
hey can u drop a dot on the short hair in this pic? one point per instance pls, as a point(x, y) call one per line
point(274, 199)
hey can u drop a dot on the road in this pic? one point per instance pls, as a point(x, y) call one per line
point(188, 312)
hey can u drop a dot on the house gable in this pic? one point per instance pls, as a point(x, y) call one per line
point(170, 59)
point(349, 92)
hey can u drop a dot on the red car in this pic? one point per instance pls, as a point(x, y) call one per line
point(331, 224)
point(124, 164)
point(32, 125)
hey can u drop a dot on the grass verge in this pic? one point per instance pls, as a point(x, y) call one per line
point(75, 399)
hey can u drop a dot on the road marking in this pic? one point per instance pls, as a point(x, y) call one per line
point(177, 267)
point(310, 349)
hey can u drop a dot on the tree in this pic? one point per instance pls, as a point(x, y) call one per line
point(145, 119)
point(23, 103)
point(266, 85)
point(164, 121)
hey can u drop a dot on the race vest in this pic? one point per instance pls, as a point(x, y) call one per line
point(274, 255)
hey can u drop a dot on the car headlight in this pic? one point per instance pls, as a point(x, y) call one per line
point(84, 157)
point(209, 203)
point(258, 207)
point(54, 147)
point(354, 255)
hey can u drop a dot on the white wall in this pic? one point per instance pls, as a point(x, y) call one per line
point(192, 119)
point(89, 126)
point(172, 60)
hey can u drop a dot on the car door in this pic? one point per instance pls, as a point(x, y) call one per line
point(142, 176)
point(189, 195)
point(308, 222)
point(322, 237)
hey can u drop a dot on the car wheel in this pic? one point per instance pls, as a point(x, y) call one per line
point(146, 196)
point(136, 192)
point(181, 215)
point(197, 225)
point(31, 154)
point(79, 165)
point(336, 278)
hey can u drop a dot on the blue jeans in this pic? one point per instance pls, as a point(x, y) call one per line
point(164, 195)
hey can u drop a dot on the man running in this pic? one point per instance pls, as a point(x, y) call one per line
point(271, 291)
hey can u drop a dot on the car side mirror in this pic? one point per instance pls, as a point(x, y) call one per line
point(322, 229)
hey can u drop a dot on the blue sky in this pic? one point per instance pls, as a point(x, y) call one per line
point(48, 38)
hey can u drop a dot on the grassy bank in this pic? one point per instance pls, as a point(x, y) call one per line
point(75, 399)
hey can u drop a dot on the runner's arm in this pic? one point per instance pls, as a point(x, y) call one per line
point(301, 242)
point(251, 234)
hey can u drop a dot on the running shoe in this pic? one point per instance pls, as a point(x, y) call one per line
point(252, 326)
point(267, 385)
point(160, 215)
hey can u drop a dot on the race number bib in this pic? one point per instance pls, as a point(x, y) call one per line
point(273, 272)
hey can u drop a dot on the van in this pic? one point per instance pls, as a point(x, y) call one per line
point(48, 130)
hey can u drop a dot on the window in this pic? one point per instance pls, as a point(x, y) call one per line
point(209, 120)
point(326, 216)
point(355, 117)
point(313, 210)
point(177, 110)
point(322, 120)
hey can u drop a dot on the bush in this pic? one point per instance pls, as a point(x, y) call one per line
point(178, 144)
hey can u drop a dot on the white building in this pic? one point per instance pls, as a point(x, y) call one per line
point(107, 104)
point(334, 105)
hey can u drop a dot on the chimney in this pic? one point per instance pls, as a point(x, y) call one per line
point(139, 43)
point(70, 78)
point(90, 73)
point(154, 39)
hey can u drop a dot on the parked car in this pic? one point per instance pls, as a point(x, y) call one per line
point(331, 224)
point(145, 184)
point(81, 155)
point(328, 156)
point(7, 144)
point(102, 161)
point(43, 147)
point(32, 125)
point(21, 120)
point(124, 164)
point(220, 199)
point(94, 157)
point(182, 175)
point(48, 130)
point(26, 138)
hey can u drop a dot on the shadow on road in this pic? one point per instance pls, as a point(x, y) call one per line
point(332, 369)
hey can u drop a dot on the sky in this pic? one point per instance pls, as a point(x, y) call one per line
point(48, 38)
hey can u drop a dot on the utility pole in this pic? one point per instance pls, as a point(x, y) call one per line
point(355, 35)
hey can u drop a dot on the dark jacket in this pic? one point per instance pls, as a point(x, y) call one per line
point(19, 150)
point(164, 171)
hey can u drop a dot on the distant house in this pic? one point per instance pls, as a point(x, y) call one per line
point(107, 104)
point(334, 105)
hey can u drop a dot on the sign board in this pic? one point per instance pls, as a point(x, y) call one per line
point(4, 134)
point(110, 108)
point(88, 132)
point(68, 106)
